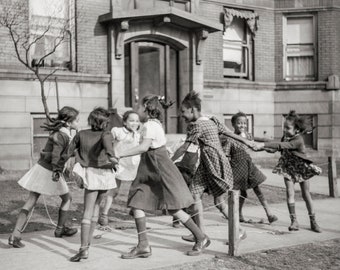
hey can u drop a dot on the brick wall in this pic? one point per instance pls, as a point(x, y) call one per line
point(92, 56)
point(8, 60)
point(328, 43)
point(264, 51)
point(264, 66)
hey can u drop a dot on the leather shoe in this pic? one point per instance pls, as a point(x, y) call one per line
point(82, 254)
point(189, 238)
point(15, 242)
point(199, 247)
point(137, 252)
point(64, 231)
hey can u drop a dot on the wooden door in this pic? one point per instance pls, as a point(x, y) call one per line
point(151, 68)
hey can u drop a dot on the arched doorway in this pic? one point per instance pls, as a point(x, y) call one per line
point(152, 68)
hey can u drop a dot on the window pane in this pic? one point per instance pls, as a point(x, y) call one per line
point(53, 8)
point(37, 122)
point(300, 30)
point(38, 145)
point(300, 49)
point(235, 49)
point(300, 67)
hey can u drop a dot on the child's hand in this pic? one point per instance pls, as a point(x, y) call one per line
point(270, 150)
point(258, 146)
point(114, 160)
point(55, 176)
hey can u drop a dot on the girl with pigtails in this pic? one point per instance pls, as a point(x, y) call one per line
point(47, 178)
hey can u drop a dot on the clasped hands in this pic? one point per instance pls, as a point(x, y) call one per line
point(256, 146)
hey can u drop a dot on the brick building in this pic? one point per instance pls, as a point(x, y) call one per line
point(262, 57)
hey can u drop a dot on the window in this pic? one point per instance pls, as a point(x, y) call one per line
point(39, 134)
point(51, 30)
point(227, 122)
point(240, 26)
point(299, 48)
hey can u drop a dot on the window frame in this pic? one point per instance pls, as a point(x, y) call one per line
point(38, 135)
point(285, 19)
point(69, 40)
point(249, 52)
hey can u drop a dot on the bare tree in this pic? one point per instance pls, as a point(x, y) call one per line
point(28, 33)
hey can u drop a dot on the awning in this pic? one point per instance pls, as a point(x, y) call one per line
point(177, 17)
point(249, 16)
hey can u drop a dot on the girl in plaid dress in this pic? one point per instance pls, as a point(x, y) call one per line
point(246, 174)
point(294, 166)
point(214, 173)
point(159, 184)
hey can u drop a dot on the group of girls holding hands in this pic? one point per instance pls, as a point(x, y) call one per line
point(104, 158)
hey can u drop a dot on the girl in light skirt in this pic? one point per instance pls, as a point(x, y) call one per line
point(125, 137)
point(95, 164)
point(46, 177)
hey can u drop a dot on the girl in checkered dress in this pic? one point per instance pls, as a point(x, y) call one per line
point(214, 173)
point(159, 184)
point(246, 174)
point(294, 166)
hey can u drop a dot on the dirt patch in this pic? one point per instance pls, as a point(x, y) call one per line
point(314, 256)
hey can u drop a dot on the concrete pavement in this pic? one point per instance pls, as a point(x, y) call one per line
point(43, 251)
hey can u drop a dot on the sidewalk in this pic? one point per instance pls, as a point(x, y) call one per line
point(43, 251)
point(318, 184)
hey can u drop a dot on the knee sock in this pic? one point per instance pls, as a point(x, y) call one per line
point(19, 225)
point(62, 218)
point(291, 209)
point(93, 225)
point(142, 234)
point(194, 229)
point(85, 232)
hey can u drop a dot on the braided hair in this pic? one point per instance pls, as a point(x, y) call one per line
point(154, 104)
point(65, 115)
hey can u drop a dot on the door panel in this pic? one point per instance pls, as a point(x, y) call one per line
point(152, 68)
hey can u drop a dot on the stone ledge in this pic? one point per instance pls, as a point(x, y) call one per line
point(63, 76)
point(317, 85)
point(239, 84)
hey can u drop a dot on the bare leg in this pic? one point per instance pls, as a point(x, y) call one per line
point(94, 219)
point(271, 218)
point(111, 194)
